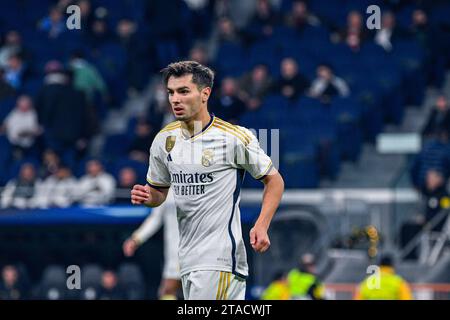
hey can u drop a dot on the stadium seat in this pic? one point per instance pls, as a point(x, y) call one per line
point(91, 276)
point(116, 145)
point(299, 155)
point(132, 281)
point(231, 59)
point(53, 283)
point(347, 115)
point(6, 106)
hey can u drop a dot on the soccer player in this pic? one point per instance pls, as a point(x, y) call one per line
point(164, 214)
point(203, 159)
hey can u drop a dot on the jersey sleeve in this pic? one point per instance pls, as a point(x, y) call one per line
point(157, 175)
point(251, 157)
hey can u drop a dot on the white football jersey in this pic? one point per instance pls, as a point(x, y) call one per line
point(205, 172)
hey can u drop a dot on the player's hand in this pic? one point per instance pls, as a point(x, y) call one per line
point(140, 194)
point(129, 247)
point(259, 239)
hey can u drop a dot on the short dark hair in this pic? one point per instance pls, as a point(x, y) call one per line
point(202, 76)
point(387, 260)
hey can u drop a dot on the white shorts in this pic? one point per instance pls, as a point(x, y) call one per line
point(212, 285)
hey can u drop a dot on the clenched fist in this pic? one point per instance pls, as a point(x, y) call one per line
point(140, 194)
point(129, 247)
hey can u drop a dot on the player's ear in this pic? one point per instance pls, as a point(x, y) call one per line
point(206, 92)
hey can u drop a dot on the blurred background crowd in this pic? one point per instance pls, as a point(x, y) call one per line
point(80, 108)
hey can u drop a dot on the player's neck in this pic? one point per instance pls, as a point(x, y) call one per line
point(195, 125)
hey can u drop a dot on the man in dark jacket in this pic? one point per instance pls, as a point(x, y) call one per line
point(439, 119)
point(63, 112)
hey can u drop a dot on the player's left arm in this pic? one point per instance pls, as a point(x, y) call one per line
point(273, 191)
point(252, 158)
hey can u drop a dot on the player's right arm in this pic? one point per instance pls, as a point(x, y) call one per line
point(148, 196)
point(154, 193)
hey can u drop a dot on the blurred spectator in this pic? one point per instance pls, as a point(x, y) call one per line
point(254, 86)
point(327, 85)
point(438, 120)
point(435, 154)
point(199, 53)
point(300, 17)
point(202, 16)
point(390, 286)
point(50, 163)
point(22, 126)
point(63, 113)
point(96, 187)
point(389, 32)
point(86, 78)
point(12, 45)
point(21, 192)
point(431, 40)
point(109, 289)
point(53, 24)
point(11, 285)
point(353, 42)
point(262, 23)
point(227, 31)
point(138, 62)
point(278, 289)
point(303, 281)
point(127, 179)
point(141, 141)
point(291, 83)
point(99, 34)
point(227, 104)
point(85, 12)
point(170, 37)
point(355, 26)
point(160, 112)
point(435, 195)
point(420, 27)
point(58, 190)
point(15, 71)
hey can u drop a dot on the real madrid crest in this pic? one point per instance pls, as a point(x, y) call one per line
point(207, 157)
point(170, 143)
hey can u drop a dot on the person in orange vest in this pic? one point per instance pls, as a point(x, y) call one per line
point(385, 285)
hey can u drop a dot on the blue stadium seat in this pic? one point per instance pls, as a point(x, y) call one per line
point(139, 167)
point(410, 57)
point(5, 158)
point(6, 106)
point(263, 52)
point(91, 275)
point(231, 59)
point(116, 145)
point(347, 113)
point(131, 279)
point(53, 283)
point(299, 157)
point(31, 86)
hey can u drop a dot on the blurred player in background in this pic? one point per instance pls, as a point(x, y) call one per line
point(164, 214)
point(203, 159)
